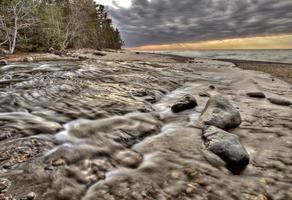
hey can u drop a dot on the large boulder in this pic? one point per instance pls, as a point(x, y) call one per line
point(221, 113)
point(185, 103)
point(227, 146)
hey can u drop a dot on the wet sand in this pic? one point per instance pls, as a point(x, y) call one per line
point(103, 128)
point(280, 70)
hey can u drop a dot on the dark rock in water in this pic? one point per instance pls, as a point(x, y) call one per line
point(212, 87)
point(185, 103)
point(3, 62)
point(150, 99)
point(281, 102)
point(204, 94)
point(137, 52)
point(256, 94)
point(221, 113)
point(227, 146)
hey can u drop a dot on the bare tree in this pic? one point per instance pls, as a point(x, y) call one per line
point(73, 25)
point(15, 15)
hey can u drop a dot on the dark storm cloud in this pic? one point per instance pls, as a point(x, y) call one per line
point(169, 21)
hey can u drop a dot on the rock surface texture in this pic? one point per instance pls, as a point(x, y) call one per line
point(185, 103)
point(221, 113)
point(227, 146)
point(103, 128)
point(280, 101)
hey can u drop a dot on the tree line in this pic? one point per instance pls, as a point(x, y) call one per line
point(42, 25)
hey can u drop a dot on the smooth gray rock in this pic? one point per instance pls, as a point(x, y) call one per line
point(256, 95)
point(185, 103)
point(281, 102)
point(221, 113)
point(227, 146)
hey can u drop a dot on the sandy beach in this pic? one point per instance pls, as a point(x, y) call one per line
point(129, 125)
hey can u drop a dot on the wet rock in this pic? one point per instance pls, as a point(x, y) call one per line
point(3, 62)
point(129, 159)
point(185, 103)
point(281, 102)
point(212, 87)
point(256, 94)
point(204, 94)
point(150, 99)
point(221, 113)
point(227, 146)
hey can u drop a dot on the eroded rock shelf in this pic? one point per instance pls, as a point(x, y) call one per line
point(100, 129)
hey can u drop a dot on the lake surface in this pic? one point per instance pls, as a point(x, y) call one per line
point(283, 56)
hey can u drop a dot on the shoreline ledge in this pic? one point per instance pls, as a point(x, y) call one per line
point(104, 127)
point(280, 70)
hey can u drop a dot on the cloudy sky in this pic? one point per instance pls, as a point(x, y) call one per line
point(156, 22)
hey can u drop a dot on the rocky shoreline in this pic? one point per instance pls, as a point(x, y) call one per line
point(123, 125)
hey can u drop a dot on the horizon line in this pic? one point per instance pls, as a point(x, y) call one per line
point(280, 41)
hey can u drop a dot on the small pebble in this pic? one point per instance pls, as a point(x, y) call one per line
point(58, 162)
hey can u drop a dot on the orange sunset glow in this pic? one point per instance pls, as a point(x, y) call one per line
point(265, 42)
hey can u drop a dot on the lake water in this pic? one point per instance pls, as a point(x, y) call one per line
point(283, 56)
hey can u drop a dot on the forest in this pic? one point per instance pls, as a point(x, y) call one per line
point(46, 25)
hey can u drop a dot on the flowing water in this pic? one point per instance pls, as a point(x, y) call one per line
point(105, 130)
